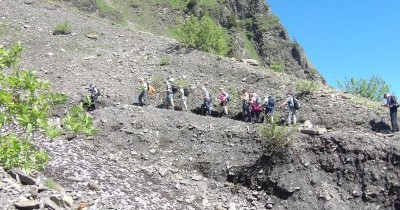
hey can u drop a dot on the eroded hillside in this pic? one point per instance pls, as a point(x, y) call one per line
point(152, 158)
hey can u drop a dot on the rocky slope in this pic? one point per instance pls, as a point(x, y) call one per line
point(152, 158)
point(256, 31)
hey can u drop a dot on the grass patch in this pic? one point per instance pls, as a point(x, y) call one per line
point(305, 87)
point(108, 11)
point(277, 67)
point(62, 28)
point(165, 61)
point(368, 103)
point(248, 45)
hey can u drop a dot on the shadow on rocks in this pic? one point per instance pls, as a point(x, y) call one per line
point(379, 126)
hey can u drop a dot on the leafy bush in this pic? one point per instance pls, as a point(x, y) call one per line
point(372, 88)
point(204, 34)
point(277, 67)
point(306, 87)
point(276, 140)
point(25, 104)
point(78, 120)
point(62, 29)
point(18, 152)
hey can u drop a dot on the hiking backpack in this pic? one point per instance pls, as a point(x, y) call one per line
point(296, 104)
point(98, 92)
point(228, 98)
point(186, 91)
point(394, 102)
point(151, 90)
point(271, 102)
point(174, 89)
point(258, 100)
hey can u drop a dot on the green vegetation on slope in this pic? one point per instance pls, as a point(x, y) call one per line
point(25, 105)
point(372, 88)
point(203, 34)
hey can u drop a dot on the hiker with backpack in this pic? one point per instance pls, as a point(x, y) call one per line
point(224, 99)
point(392, 104)
point(293, 106)
point(151, 90)
point(94, 95)
point(183, 99)
point(245, 105)
point(143, 96)
point(169, 95)
point(256, 107)
point(207, 102)
point(269, 107)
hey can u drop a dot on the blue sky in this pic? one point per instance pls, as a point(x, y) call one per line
point(346, 38)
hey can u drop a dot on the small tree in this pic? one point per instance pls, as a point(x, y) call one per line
point(203, 34)
point(372, 88)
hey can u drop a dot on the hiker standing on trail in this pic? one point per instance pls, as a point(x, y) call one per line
point(269, 107)
point(183, 98)
point(169, 95)
point(94, 94)
point(143, 96)
point(256, 107)
point(392, 104)
point(207, 100)
point(292, 112)
point(245, 105)
point(223, 98)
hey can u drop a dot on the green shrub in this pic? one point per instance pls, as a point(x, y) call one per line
point(276, 140)
point(204, 34)
point(78, 120)
point(277, 67)
point(165, 61)
point(62, 29)
point(306, 87)
point(16, 152)
point(26, 102)
point(181, 82)
point(372, 88)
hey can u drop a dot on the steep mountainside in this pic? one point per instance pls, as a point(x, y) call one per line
point(153, 158)
point(256, 32)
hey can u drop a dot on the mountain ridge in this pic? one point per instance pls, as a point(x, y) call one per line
point(152, 158)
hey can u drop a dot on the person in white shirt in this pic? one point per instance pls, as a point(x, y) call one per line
point(143, 96)
point(183, 98)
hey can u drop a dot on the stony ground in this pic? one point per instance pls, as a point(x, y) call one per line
point(152, 158)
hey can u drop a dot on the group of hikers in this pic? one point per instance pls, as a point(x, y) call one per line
point(252, 104)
